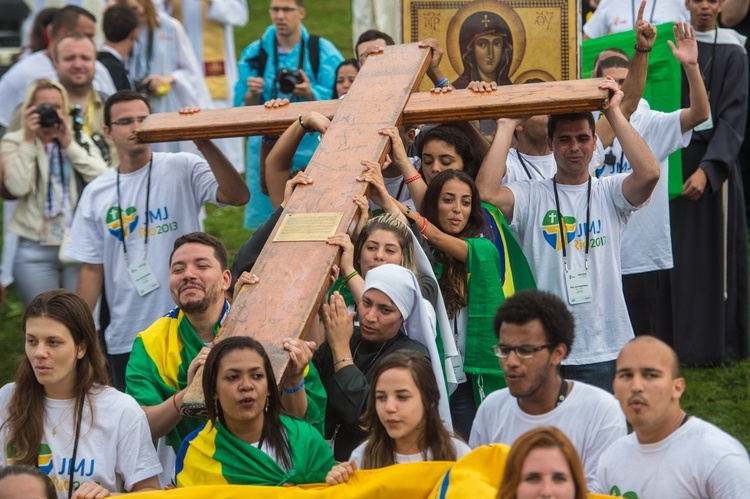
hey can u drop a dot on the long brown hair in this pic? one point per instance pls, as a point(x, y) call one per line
point(152, 16)
point(544, 437)
point(435, 437)
point(453, 280)
point(26, 410)
point(273, 431)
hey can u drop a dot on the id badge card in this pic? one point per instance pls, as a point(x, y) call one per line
point(143, 277)
point(706, 125)
point(579, 286)
point(52, 231)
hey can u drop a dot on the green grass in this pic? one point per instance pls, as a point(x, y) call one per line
point(720, 395)
point(330, 19)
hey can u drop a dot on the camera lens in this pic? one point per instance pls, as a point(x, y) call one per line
point(48, 116)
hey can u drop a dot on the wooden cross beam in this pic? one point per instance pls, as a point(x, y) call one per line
point(295, 275)
point(424, 107)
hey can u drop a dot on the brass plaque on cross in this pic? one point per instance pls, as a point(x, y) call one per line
point(297, 227)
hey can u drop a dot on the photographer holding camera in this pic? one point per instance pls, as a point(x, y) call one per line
point(287, 62)
point(46, 168)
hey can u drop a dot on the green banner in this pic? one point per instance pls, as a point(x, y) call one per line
point(663, 84)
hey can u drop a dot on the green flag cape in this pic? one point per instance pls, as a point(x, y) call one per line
point(158, 366)
point(213, 456)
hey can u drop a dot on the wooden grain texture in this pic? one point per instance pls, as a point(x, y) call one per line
point(423, 107)
point(294, 276)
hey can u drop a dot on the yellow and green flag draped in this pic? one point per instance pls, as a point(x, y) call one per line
point(663, 85)
point(477, 475)
point(485, 292)
point(213, 456)
point(515, 271)
point(158, 366)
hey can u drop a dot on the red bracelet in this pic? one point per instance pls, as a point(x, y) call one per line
point(174, 403)
point(200, 143)
point(412, 179)
point(424, 226)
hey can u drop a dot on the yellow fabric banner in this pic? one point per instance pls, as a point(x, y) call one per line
point(476, 476)
point(214, 54)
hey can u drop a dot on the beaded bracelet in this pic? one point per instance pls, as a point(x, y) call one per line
point(350, 276)
point(424, 226)
point(642, 51)
point(441, 83)
point(412, 179)
point(295, 389)
point(303, 125)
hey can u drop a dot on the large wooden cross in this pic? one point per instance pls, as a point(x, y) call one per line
point(295, 276)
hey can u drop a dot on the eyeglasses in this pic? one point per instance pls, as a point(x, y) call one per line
point(128, 121)
point(285, 10)
point(522, 351)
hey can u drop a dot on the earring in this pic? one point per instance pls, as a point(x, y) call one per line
point(268, 403)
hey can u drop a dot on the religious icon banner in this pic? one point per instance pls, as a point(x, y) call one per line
point(509, 42)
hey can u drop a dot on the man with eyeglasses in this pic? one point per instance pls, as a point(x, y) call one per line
point(535, 333)
point(128, 219)
point(268, 70)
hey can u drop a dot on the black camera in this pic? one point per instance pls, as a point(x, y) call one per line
point(141, 88)
point(48, 116)
point(287, 79)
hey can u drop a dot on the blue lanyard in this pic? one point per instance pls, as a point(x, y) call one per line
point(59, 173)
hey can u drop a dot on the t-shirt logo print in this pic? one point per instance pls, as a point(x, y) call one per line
point(44, 461)
point(551, 229)
point(115, 219)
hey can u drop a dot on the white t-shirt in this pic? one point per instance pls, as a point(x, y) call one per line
point(602, 325)
point(590, 417)
point(697, 461)
point(539, 167)
point(115, 451)
point(21, 75)
point(461, 450)
point(647, 239)
point(180, 184)
point(615, 16)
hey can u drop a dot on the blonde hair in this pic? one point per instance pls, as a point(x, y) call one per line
point(44, 84)
point(389, 223)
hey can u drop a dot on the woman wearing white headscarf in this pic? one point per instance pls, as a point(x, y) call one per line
point(393, 316)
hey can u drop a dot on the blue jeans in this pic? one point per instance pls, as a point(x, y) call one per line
point(601, 374)
point(463, 409)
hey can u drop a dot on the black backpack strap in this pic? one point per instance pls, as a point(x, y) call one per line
point(259, 62)
point(313, 48)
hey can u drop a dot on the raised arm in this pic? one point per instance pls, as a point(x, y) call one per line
point(635, 83)
point(232, 189)
point(279, 159)
point(733, 12)
point(686, 51)
point(492, 171)
point(417, 187)
point(639, 185)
